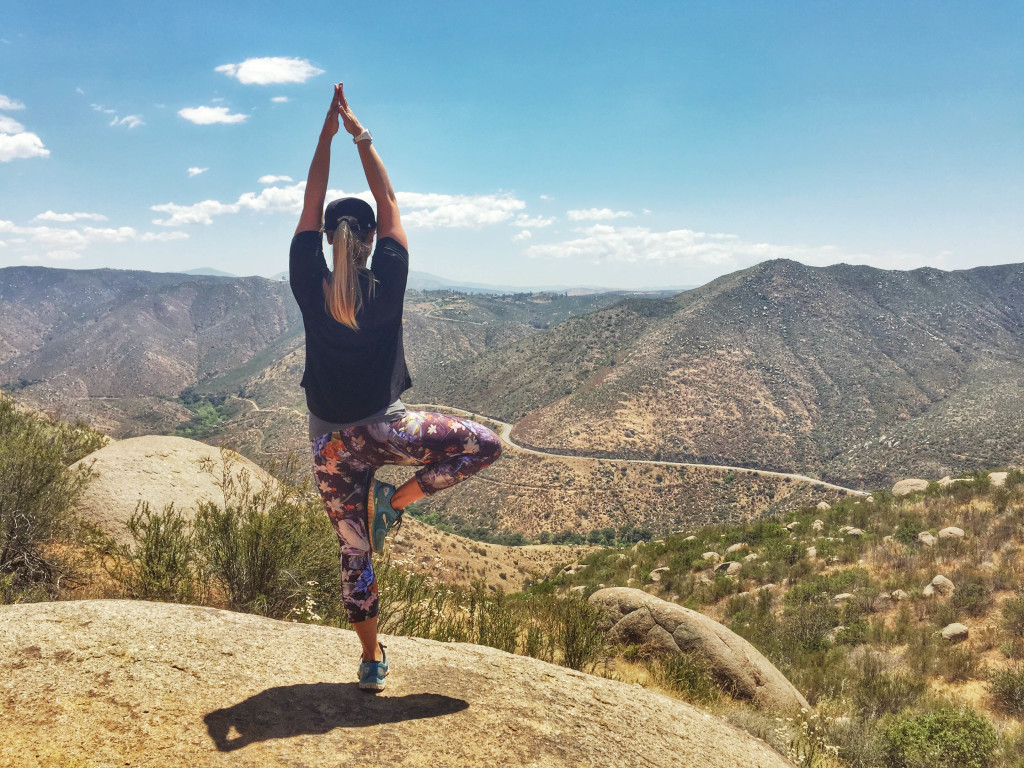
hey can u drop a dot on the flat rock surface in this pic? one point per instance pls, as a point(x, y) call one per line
point(114, 683)
point(158, 469)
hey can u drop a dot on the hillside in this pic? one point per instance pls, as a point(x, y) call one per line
point(879, 610)
point(856, 374)
point(852, 374)
point(121, 348)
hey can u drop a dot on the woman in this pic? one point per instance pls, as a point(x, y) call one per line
point(356, 372)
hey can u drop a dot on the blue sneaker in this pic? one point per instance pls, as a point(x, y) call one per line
point(383, 517)
point(372, 673)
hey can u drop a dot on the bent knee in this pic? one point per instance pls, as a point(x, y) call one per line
point(490, 444)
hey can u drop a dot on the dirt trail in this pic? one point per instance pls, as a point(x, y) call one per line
point(506, 436)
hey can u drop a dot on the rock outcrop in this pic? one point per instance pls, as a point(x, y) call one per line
point(157, 470)
point(908, 486)
point(150, 685)
point(637, 617)
point(940, 585)
point(955, 633)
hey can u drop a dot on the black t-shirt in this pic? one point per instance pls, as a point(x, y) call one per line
point(351, 374)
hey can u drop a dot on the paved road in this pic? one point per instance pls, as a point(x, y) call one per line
point(506, 436)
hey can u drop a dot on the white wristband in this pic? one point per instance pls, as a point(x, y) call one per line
point(364, 136)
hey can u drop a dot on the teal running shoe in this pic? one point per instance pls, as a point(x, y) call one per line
point(383, 517)
point(372, 673)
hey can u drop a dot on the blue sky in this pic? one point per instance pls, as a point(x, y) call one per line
point(589, 143)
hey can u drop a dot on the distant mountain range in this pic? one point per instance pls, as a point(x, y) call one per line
point(424, 281)
point(854, 374)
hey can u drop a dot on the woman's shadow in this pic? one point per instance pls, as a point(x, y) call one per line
point(291, 710)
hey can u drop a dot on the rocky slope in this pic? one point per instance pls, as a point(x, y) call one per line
point(110, 683)
point(855, 373)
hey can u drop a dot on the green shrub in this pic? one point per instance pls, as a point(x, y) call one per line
point(953, 738)
point(414, 604)
point(1014, 479)
point(958, 664)
point(1013, 615)
point(880, 692)
point(686, 674)
point(973, 594)
point(37, 491)
point(498, 624)
point(577, 632)
point(261, 550)
point(1007, 689)
point(807, 625)
point(162, 562)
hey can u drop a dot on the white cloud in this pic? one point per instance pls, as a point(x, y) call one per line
point(272, 199)
point(21, 145)
point(104, 110)
point(10, 125)
point(69, 217)
point(522, 220)
point(65, 243)
point(597, 214)
point(15, 141)
point(193, 171)
point(162, 237)
point(197, 213)
point(8, 103)
point(211, 115)
point(271, 70)
point(524, 235)
point(459, 211)
point(280, 99)
point(704, 255)
point(269, 179)
point(132, 121)
point(418, 209)
point(546, 197)
point(607, 243)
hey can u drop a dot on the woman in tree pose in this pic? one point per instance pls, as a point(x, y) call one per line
point(356, 372)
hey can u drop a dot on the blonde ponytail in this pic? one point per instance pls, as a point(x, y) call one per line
point(342, 295)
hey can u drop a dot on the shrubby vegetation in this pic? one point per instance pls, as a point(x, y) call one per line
point(273, 552)
point(883, 681)
point(37, 489)
point(208, 413)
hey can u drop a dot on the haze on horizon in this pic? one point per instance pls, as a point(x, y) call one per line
point(560, 143)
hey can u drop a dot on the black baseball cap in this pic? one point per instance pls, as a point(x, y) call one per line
point(358, 209)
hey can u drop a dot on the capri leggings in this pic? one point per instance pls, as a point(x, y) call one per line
point(448, 449)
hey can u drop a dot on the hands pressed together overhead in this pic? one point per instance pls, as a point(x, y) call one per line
point(340, 109)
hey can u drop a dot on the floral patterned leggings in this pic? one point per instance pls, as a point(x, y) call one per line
point(448, 449)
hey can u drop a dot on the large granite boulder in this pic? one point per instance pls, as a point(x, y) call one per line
point(637, 617)
point(156, 470)
point(111, 683)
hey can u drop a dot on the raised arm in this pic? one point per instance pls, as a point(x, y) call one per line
point(316, 182)
point(389, 220)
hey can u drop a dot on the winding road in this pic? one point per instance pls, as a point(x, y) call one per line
point(505, 433)
point(506, 436)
